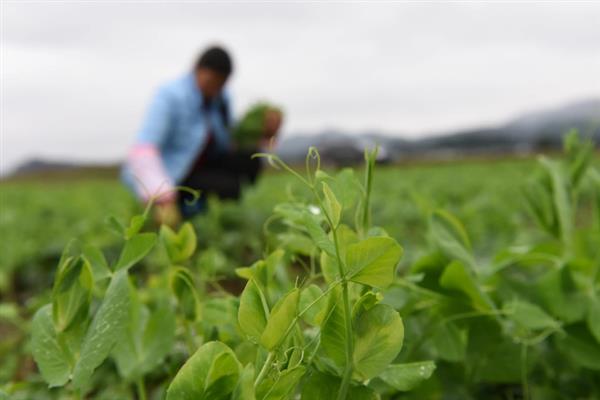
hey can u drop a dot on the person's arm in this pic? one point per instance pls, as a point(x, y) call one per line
point(144, 159)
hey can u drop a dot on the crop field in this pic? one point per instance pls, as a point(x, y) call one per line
point(455, 280)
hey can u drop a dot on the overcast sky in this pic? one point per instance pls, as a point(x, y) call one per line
point(77, 76)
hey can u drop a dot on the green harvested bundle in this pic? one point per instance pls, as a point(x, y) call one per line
point(251, 128)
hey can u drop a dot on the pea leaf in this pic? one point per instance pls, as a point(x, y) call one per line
point(280, 386)
point(72, 293)
point(52, 359)
point(180, 246)
point(593, 319)
point(315, 314)
point(281, 318)
point(379, 334)
point(373, 261)
point(320, 386)
point(203, 373)
point(450, 236)
point(106, 328)
point(95, 258)
point(245, 386)
point(182, 286)
point(529, 315)
point(457, 277)
point(135, 249)
point(450, 342)
point(333, 330)
point(406, 377)
point(253, 311)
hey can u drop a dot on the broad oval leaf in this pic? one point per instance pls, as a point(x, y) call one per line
point(378, 340)
point(202, 374)
point(49, 355)
point(405, 377)
point(373, 261)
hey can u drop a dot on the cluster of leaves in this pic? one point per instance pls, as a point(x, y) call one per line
point(319, 315)
point(526, 323)
point(322, 332)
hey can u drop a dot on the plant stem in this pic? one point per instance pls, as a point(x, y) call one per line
point(264, 369)
point(349, 344)
point(141, 388)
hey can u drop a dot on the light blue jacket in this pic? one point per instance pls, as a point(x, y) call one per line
point(176, 125)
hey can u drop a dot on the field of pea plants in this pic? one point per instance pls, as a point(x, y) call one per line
point(453, 280)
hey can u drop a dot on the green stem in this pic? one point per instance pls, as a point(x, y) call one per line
point(349, 344)
point(141, 388)
point(264, 370)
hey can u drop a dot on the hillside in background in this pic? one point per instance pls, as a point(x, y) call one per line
point(537, 131)
point(528, 133)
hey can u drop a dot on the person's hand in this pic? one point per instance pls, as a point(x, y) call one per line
point(167, 213)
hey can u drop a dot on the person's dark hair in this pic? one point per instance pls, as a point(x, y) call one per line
point(217, 59)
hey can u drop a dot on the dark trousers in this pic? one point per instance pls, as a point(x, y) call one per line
point(220, 174)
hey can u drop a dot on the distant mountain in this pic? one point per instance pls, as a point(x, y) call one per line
point(540, 130)
point(527, 133)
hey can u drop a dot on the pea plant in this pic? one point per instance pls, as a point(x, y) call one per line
point(311, 321)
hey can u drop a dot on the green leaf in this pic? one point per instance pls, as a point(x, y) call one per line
point(182, 286)
point(280, 386)
point(106, 328)
point(135, 249)
point(95, 258)
point(379, 334)
point(281, 318)
point(450, 236)
point(333, 330)
point(529, 316)
point(406, 377)
point(204, 373)
point(332, 206)
point(457, 277)
point(253, 312)
point(181, 245)
point(450, 342)
point(581, 347)
point(135, 225)
point(222, 376)
point(245, 386)
point(72, 293)
point(319, 386)
point(317, 234)
point(560, 195)
point(315, 314)
point(373, 261)
point(562, 297)
point(593, 319)
point(49, 353)
point(149, 340)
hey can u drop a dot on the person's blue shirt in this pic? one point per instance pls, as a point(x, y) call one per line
point(176, 126)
